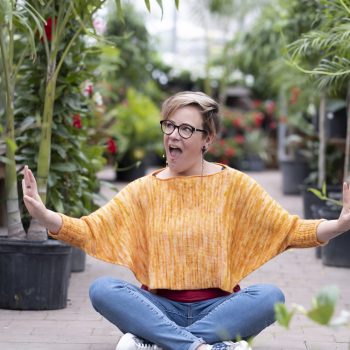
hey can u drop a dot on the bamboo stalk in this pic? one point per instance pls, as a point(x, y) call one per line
point(36, 231)
point(15, 227)
point(347, 144)
point(322, 142)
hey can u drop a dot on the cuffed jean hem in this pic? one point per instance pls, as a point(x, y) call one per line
point(195, 345)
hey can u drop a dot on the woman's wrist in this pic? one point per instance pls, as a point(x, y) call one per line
point(52, 221)
point(328, 229)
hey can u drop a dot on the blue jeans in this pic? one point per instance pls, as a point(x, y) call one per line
point(184, 326)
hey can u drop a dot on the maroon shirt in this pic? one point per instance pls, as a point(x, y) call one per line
point(190, 296)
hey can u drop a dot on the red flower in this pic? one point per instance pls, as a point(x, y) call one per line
point(89, 90)
point(239, 139)
point(48, 28)
point(77, 121)
point(230, 152)
point(237, 122)
point(258, 119)
point(270, 107)
point(273, 125)
point(111, 146)
point(256, 104)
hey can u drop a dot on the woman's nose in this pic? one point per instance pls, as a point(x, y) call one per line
point(175, 134)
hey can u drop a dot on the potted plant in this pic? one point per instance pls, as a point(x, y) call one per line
point(24, 253)
point(225, 151)
point(137, 124)
point(71, 148)
point(330, 71)
point(296, 143)
point(20, 258)
point(255, 151)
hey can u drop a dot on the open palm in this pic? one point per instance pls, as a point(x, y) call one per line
point(344, 218)
point(31, 196)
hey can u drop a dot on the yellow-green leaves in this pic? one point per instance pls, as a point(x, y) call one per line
point(148, 5)
point(322, 194)
point(160, 3)
point(321, 312)
point(323, 305)
point(283, 316)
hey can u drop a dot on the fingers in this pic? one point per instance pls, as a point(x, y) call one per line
point(26, 183)
point(346, 195)
point(29, 181)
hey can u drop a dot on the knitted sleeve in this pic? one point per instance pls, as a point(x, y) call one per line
point(110, 232)
point(275, 226)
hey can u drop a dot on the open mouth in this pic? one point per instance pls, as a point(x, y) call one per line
point(174, 151)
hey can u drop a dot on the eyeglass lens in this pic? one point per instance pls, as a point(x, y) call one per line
point(185, 131)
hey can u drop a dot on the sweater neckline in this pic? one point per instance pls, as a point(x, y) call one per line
point(181, 177)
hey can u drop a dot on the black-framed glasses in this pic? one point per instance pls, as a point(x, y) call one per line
point(185, 130)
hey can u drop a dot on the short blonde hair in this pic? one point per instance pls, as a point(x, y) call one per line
point(208, 108)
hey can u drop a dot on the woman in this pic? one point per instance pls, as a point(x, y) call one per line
point(189, 232)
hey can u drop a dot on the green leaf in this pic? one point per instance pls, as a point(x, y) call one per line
point(160, 3)
point(283, 316)
point(5, 160)
point(324, 189)
point(177, 4)
point(65, 167)
point(316, 192)
point(60, 150)
point(148, 5)
point(324, 305)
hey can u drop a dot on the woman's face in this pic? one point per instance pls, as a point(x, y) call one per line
point(184, 156)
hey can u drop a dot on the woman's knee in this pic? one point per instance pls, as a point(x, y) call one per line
point(102, 288)
point(268, 294)
point(271, 294)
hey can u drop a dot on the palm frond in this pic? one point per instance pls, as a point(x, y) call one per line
point(332, 74)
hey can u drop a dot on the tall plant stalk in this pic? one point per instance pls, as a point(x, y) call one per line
point(347, 144)
point(36, 231)
point(322, 142)
point(15, 227)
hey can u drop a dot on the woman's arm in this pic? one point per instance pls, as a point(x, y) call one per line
point(329, 229)
point(48, 218)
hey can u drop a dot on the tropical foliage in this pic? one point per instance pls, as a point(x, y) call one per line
point(54, 27)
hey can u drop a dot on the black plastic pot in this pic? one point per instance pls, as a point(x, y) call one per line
point(336, 252)
point(336, 117)
point(310, 199)
point(34, 275)
point(294, 172)
point(78, 260)
point(252, 163)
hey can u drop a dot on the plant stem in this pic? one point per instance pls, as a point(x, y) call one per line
point(347, 144)
point(46, 130)
point(15, 227)
point(322, 142)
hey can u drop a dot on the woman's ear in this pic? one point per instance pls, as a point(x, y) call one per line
point(209, 140)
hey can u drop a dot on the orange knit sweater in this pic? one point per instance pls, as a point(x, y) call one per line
point(190, 232)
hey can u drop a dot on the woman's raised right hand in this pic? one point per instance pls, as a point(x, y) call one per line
point(48, 218)
point(31, 197)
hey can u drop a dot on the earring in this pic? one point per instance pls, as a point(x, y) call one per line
point(164, 157)
point(204, 149)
